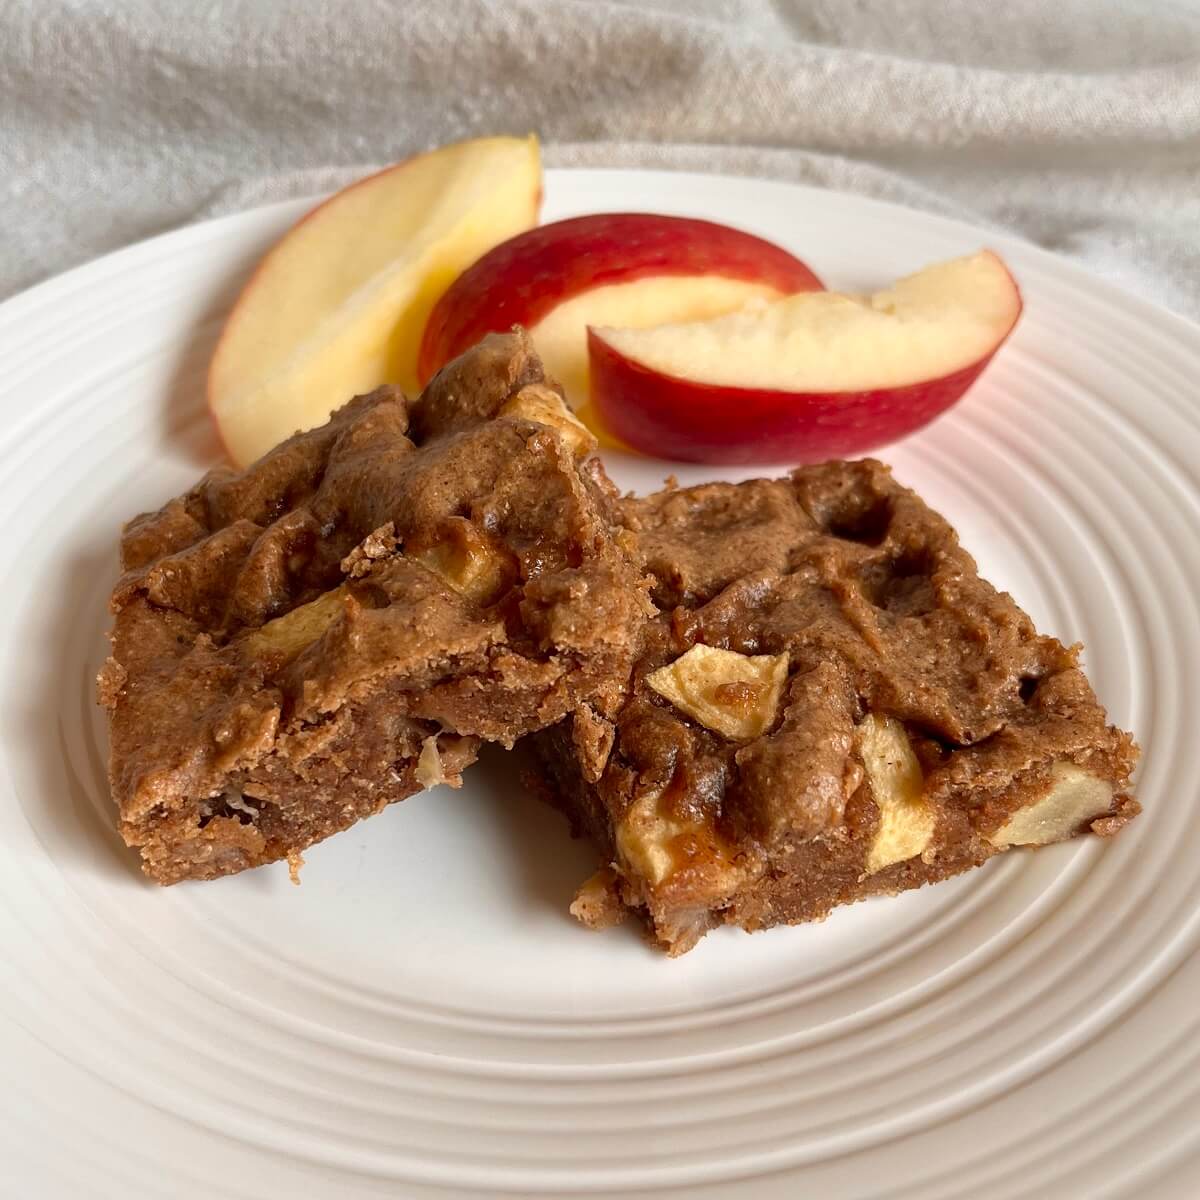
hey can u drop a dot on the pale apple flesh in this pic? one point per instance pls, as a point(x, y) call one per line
point(906, 819)
point(809, 377)
point(631, 269)
point(337, 306)
point(561, 336)
point(1072, 798)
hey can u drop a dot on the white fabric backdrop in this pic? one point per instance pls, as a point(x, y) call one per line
point(1073, 122)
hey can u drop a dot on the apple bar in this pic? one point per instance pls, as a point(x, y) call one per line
point(299, 644)
point(830, 705)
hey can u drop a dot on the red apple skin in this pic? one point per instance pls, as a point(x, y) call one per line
point(673, 418)
point(522, 280)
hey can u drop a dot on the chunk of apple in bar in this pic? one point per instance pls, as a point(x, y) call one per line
point(1072, 798)
point(906, 818)
point(810, 377)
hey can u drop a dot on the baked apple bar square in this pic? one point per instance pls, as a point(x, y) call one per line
point(830, 705)
point(301, 643)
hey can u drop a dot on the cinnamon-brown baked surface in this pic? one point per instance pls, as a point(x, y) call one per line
point(832, 704)
point(301, 643)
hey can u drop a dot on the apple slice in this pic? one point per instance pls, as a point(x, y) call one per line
point(810, 377)
point(628, 269)
point(338, 305)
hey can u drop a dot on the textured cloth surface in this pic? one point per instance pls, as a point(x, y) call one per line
point(1074, 123)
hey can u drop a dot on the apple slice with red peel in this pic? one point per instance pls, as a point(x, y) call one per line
point(338, 305)
point(809, 377)
point(628, 269)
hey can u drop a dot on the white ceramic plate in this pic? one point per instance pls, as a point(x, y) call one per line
point(422, 1017)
